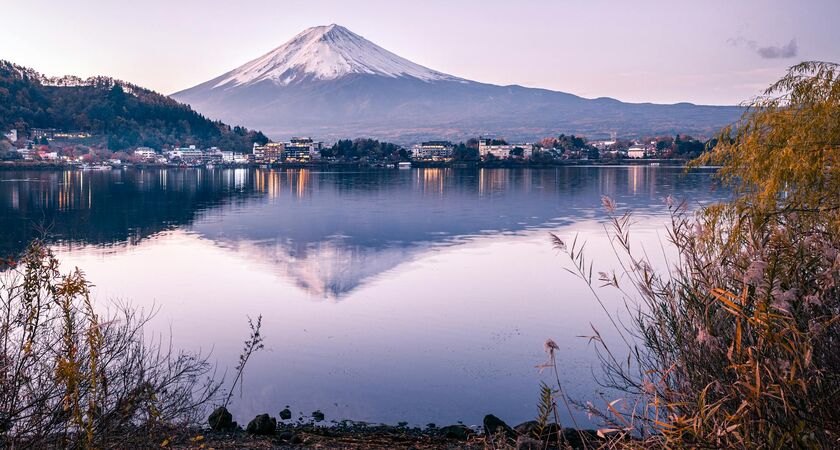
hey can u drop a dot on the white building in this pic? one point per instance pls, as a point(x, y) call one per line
point(214, 155)
point(185, 153)
point(11, 135)
point(604, 144)
point(25, 153)
point(433, 150)
point(502, 151)
point(636, 151)
point(229, 157)
point(145, 153)
point(302, 149)
point(271, 152)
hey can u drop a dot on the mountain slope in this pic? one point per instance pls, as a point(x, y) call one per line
point(120, 114)
point(330, 82)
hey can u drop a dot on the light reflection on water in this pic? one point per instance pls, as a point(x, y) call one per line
point(421, 295)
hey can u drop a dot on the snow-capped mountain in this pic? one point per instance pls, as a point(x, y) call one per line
point(326, 53)
point(332, 83)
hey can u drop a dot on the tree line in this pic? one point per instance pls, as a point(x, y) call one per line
point(120, 115)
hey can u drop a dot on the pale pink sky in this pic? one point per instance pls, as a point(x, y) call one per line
point(714, 52)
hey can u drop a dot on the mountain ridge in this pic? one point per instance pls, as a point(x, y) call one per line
point(331, 82)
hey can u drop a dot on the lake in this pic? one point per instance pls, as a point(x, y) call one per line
point(419, 295)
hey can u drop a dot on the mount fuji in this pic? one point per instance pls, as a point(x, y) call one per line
point(332, 83)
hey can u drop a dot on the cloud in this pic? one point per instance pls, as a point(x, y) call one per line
point(789, 50)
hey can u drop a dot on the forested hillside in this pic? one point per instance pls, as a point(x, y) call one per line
point(121, 115)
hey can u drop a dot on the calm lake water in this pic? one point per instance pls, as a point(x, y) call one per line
point(420, 295)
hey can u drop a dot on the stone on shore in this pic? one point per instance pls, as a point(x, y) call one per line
point(493, 425)
point(221, 419)
point(530, 428)
point(286, 414)
point(459, 432)
point(263, 425)
point(527, 443)
point(575, 438)
point(289, 436)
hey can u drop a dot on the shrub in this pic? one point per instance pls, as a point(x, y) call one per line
point(737, 343)
point(70, 378)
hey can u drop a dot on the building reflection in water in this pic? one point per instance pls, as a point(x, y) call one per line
point(274, 182)
point(432, 179)
point(491, 181)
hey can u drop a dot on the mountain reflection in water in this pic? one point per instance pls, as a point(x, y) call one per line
point(420, 295)
point(327, 231)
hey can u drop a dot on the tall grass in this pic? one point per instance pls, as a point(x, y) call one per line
point(254, 343)
point(736, 344)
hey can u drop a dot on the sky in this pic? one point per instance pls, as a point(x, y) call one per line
point(709, 52)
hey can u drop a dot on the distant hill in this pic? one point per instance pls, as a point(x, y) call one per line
point(120, 115)
point(330, 82)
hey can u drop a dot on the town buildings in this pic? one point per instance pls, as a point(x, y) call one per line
point(298, 149)
point(53, 134)
point(190, 155)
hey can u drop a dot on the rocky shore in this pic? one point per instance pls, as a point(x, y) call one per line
point(265, 431)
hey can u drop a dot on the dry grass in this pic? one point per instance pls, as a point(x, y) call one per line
point(69, 378)
point(736, 344)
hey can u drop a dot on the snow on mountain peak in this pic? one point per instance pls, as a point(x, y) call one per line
point(326, 53)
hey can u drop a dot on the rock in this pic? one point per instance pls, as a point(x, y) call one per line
point(289, 436)
point(571, 436)
point(285, 435)
point(459, 432)
point(390, 430)
point(530, 428)
point(263, 425)
point(286, 414)
point(494, 425)
point(318, 416)
point(574, 438)
point(526, 443)
point(221, 419)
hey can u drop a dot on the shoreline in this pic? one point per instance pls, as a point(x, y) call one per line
point(266, 431)
point(29, 165)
